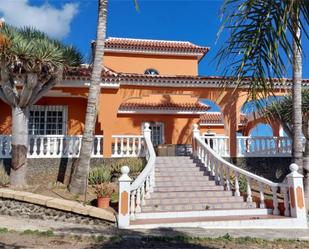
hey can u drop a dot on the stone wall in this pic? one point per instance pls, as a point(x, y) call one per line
point(32, 211)
point(272, 168)
point(53, 169)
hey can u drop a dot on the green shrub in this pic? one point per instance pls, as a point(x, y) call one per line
point(99, 175)
point(4, 178)
point(136, 165)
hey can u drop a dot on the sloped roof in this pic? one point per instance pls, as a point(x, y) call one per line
point(149, 44)
point(217, 118)
point(157, 102)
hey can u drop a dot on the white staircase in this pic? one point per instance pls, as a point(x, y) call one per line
point(205, 192)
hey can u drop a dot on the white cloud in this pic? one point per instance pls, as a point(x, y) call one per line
point(55, 22)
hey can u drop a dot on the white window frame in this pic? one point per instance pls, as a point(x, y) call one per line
point(161, 124)
point(46, 109)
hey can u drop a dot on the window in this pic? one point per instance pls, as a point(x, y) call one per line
point(157, 132)
point(47, 120)
point(151, 71)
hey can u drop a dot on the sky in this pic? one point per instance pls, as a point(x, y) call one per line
point(74, 22)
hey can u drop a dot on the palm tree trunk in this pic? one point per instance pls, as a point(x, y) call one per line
point(306, 157)
point(297, 149)
point(81, 167)
point(19, 146)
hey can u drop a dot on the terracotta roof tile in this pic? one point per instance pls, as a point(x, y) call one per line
point(165, 106)
point(217, 118)
point(84, 73)
point(159, 45)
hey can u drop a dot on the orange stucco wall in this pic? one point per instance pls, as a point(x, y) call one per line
point(166, 65)
point(178, 127)
point(75, 116)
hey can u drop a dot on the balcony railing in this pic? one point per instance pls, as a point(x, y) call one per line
point(52, 146)
point(251, 146)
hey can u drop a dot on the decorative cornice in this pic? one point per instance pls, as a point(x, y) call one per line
point(144, 46)
point(111, 79)
point(163, 108)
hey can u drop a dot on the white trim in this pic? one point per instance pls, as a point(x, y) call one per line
point(164, 81)
point(170, 51)
point(154, 111)
point(211, 124)
point(205, 213)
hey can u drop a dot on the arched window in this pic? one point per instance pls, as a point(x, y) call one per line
point(151, 71)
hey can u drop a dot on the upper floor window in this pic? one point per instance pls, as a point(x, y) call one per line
point(151, 71)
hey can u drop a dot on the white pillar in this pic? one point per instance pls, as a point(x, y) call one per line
point(296, 194)
point(124, 198)
point(147, 130)
point(195, 134)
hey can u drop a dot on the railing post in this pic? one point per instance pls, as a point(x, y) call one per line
point(195, 134)
point(296, 194)
point(124, 198)
point(147, 131)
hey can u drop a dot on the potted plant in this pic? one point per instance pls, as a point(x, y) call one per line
point(104, 192)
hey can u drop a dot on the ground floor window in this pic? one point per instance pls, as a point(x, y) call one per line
point(47, 120)
point(157, 132)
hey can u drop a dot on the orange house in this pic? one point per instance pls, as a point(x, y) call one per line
point(142, 81)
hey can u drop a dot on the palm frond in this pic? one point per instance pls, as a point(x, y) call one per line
point(33, 51)
point(258, 45)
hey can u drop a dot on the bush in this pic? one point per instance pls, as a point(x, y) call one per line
point(99, 175)
point(136, 165)
point(105, 189)
point(4, 178)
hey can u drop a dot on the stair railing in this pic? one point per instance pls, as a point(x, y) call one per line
point(133, 196)
point(231, 177)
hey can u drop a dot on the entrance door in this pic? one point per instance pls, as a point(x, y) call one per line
point(157, 132)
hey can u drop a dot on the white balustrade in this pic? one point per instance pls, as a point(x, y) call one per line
point(139, 191)
point(230, 176)
point(52, 146)
point(248, 146)
point(219, 144)
point(128, 146)
point(263, 146)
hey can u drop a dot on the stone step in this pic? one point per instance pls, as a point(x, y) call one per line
point(174, 161)
point(175, 165)
point(188, 188)
point(185, 183)
point(213, 214)
point(197, 206)
point(188, 178)
point(163, 158)
point(179, 169)
point(180, 173)
point(188, 194)
point(193, 200)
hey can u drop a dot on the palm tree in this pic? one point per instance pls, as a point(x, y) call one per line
point(81, 166)
point(282, 112)
point(30, 63)
point(258, 48)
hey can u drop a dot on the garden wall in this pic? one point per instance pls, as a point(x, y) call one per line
point(51, 170)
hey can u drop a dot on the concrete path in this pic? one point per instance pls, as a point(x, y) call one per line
point(61, 228)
